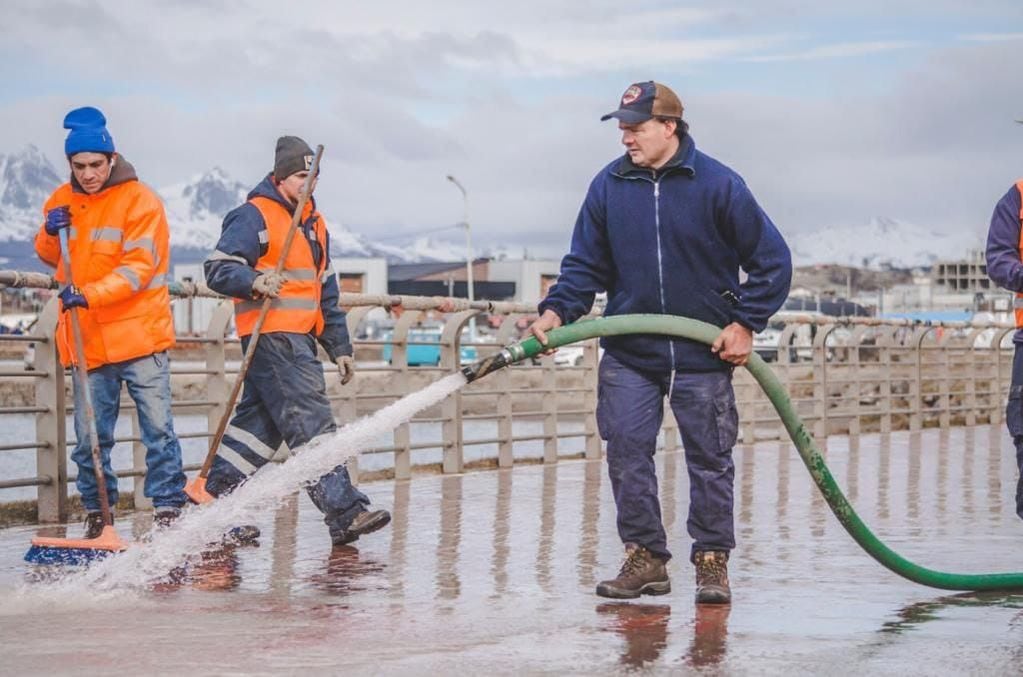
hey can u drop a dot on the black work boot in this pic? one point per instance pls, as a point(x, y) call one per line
point(712, 577)
point(164, 517)
point(247, 534)
point(94, 524)
point(365, 522)
point(641, 574)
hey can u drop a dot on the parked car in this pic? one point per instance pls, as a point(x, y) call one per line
point(569, 356)
point(424, 348)
point(765, 344)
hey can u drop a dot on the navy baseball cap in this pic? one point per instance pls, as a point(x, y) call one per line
point(645, 100)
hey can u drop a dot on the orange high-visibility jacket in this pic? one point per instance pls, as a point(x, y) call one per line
point(119, 245)
point(297, 309)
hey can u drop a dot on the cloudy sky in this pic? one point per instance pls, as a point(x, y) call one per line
point(833, 111)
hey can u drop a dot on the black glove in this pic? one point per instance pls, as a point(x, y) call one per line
point(72, 297)
point(57, 218)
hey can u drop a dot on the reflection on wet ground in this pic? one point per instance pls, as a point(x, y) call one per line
point(494, 571)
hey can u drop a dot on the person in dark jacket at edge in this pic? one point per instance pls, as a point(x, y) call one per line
point(285, 400)
point(666, 229)
point(1005, 268)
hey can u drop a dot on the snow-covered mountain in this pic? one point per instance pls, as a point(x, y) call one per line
point(196, 208)
point(883, 242)
point(26, 179)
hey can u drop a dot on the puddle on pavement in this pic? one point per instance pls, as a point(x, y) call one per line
point(495, 571)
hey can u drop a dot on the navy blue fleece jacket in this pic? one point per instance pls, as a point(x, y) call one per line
point(1003, 255)
point(672, 241)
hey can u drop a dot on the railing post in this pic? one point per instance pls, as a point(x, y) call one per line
point(820, 369)
point(399, 360)
point(976, 371)
point(944, 349)
point(347, 404)
point(885, 343)
point(784, 370)
point(591, 362)
point(549, 401)
point(503, 384)
point(51, 426)
point(1000, 383)
point(916, 417)
point(217, 388)
point(450, 361)
point(748, 409)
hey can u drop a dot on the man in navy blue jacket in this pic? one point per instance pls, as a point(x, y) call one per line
point(666, 229)
point(1005, 268)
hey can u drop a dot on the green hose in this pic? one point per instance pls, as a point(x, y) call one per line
point(706, 333)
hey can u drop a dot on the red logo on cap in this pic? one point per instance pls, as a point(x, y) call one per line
point(631, 94)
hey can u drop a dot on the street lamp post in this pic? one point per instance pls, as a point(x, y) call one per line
point(468, 251)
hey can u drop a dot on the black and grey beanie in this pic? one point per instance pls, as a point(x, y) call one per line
point(292, 155)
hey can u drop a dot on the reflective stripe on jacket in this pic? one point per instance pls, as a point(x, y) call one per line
point(119, 245)
point(297, 309)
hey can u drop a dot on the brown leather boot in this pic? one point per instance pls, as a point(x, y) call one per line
point(712, 578)
point(641, 574)
point(94, 525)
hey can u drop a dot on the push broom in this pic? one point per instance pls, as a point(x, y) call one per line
point(76, 551)
point(196, 489)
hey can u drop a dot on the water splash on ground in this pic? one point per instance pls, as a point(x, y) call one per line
point(142, 566)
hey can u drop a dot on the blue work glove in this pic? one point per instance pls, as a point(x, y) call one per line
point(72, 297)
point(57, 218)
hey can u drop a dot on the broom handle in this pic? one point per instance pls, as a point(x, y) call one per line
point(218, 436)
point(82, 369)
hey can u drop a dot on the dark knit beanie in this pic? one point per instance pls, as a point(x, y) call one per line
point(292, 155)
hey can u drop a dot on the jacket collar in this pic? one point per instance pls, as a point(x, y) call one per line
point(123, 172)
point(268, 190)
point(684, 160)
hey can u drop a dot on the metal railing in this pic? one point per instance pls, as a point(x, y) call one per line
point(845, 375)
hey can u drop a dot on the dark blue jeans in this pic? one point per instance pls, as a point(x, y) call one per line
point(1014, 419)
point(284, 402)
point(148, 382)
point(630, 410)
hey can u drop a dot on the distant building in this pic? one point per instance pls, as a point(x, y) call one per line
point(967, 275)
point(950, 286)
point(446, 278)
point(362, 275)
point(532, 278)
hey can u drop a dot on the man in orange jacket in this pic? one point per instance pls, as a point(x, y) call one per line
point(118, 242)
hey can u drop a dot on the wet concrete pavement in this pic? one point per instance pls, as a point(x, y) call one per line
point(493, 572)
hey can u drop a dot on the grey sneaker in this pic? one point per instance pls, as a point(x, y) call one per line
point(365, 522)
point(641, 574)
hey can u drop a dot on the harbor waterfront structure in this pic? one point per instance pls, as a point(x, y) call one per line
point(858, 375)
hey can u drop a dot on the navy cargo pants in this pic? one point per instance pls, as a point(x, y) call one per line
point(630, 410)
point(284, 402)
point(1014, 419)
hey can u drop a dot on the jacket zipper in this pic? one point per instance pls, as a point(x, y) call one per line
point(660, 276)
